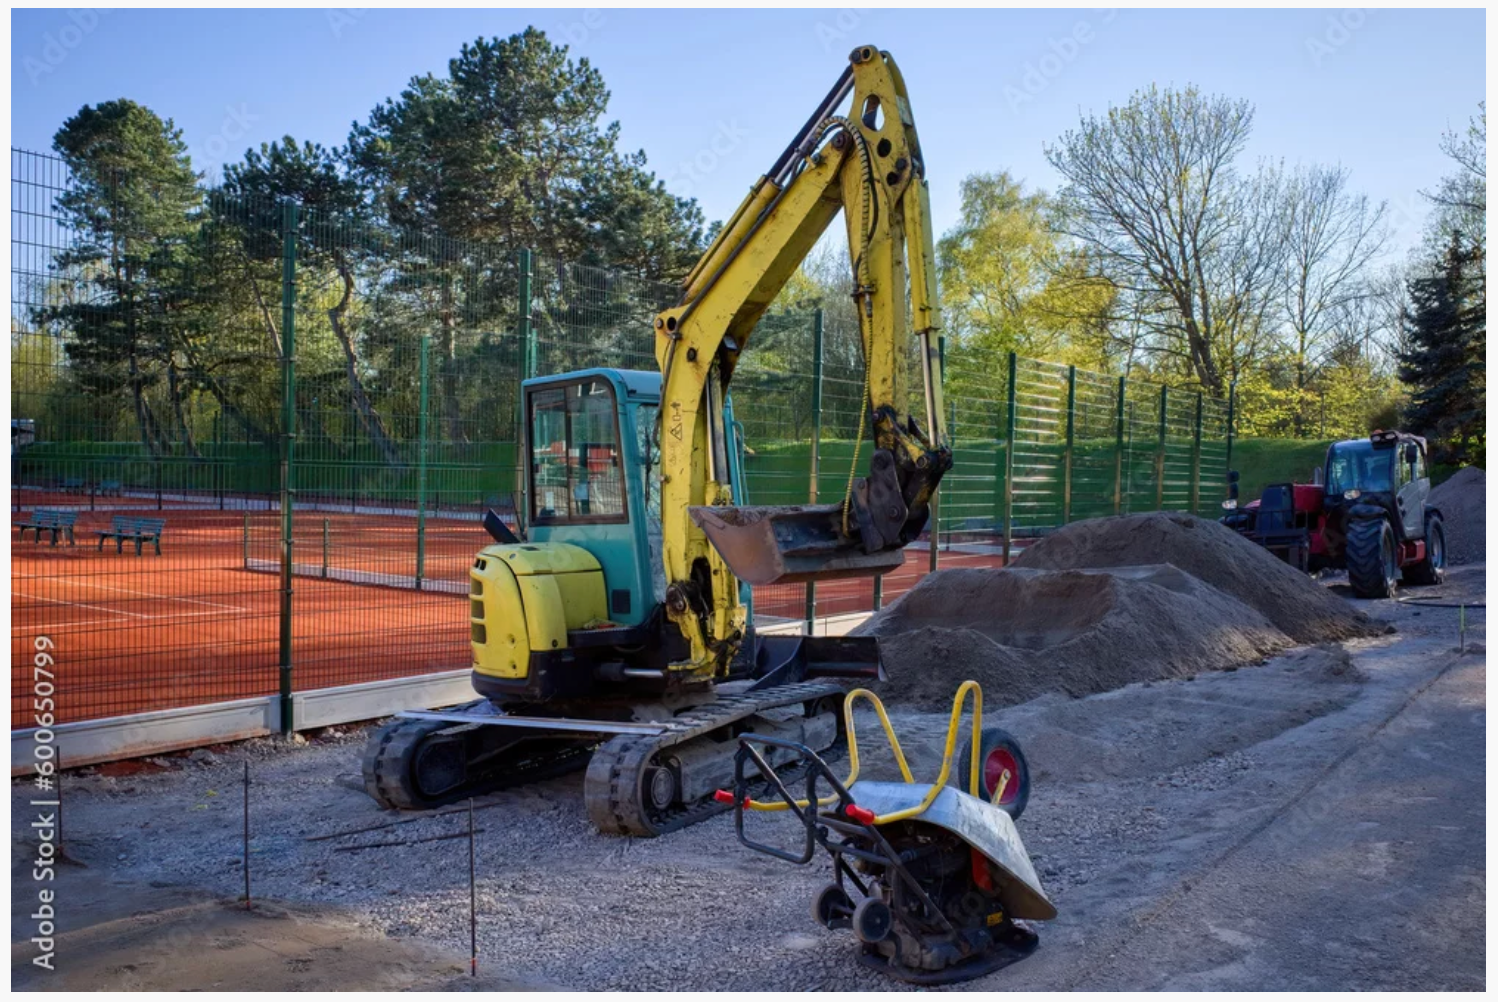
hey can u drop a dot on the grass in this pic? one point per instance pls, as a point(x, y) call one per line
point(1264, 461)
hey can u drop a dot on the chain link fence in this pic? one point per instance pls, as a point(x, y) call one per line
point(307, 415)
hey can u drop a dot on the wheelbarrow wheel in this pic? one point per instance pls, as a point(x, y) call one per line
point(872, 920)
point(832, 907)
point(997, 753)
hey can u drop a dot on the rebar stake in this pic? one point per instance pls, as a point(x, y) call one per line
point(473, 921)
point(247, 905)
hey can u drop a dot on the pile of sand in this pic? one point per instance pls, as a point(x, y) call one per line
point(1021, 633)
point(1218, 556)
point(1462, 501)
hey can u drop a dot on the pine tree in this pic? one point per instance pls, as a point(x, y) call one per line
point(1443, 363)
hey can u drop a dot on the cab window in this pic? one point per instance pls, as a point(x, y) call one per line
point(576, 471)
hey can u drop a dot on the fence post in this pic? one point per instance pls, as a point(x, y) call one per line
point(1009, 461)
point(1232, 416)
point(1118, 448)
point(327, 546)
point(1071, 438)
point(421, 465)
point(816, 450)
point(1196, 459)
point(288, 435)
point(527, 337)
point(1160, 450)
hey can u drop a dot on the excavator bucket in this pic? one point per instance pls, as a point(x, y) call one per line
point(786, 544)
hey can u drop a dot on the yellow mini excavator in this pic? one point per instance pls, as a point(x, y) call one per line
point(615, 633)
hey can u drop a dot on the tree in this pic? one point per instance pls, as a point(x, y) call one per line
point(1462, 198)
point(1192, 250)
point(509, 148)
point(133, 205)
point(1332, 238)
point(328, 201)
point(1444, 363)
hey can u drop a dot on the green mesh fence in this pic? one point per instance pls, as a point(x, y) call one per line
point(308, 413)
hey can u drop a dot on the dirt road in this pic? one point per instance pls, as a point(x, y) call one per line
point(1315, 821)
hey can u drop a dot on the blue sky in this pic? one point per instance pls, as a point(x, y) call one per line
point(712, 97)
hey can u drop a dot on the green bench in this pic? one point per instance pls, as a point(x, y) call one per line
point(111, 487)
point(138, 530)
point(47, 520)
point(74, 485)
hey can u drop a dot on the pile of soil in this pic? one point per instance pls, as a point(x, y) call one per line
point(1213, 553)
point(1462, 501)
point(1021, 633)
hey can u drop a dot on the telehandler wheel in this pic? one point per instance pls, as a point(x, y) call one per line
point(1372, 558)
point(997, 753)
point(1432, 569)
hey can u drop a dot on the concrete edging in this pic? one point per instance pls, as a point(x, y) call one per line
point(89, 742)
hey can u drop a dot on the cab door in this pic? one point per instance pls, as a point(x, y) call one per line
point(1411, 486)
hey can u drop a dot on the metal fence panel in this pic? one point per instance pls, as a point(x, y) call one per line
point(320, 408)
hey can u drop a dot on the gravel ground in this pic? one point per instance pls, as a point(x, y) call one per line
point(1140, 796)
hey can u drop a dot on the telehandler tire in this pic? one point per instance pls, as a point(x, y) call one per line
point(1372, 558)
point(1432, 569)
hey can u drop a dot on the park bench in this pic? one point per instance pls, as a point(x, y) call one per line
point(111, 487)
point(46, 520)
point(74, 485)
point(138, 530)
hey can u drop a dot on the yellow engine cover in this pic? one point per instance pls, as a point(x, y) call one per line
point(525, 597)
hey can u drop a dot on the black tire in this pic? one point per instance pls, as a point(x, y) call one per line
point(873, 920)
point(998, 751)
point(1432, 569)
point(832, 908)
point(1372, 558)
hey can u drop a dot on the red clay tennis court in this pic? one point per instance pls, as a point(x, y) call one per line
point(201, 622)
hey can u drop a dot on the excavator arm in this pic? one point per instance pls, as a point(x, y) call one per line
point(868, 165)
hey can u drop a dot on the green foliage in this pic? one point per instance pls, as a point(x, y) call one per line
point(1008, 284)
point(509, 148)
point(1445, 361)
point(134, 207)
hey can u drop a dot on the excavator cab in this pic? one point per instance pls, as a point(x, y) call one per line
point(593, 479)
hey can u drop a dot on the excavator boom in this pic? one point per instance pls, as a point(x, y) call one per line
point(866, 164)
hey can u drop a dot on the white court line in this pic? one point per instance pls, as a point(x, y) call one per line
point(151, 594)
point(82, 605)
point(55, 628)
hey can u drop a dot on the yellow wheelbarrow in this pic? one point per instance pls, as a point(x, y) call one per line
point(931, 878)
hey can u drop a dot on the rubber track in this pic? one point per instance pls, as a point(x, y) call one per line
point(611, 788)
point(388, 780)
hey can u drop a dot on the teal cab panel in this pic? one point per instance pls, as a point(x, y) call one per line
point(593, 478)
